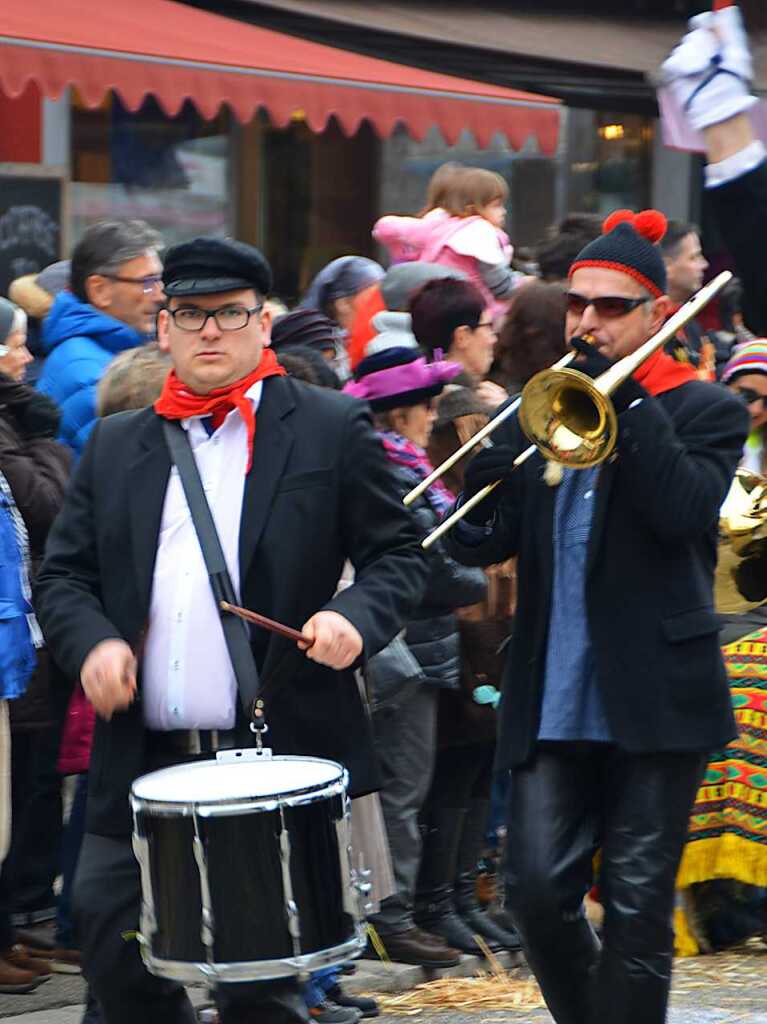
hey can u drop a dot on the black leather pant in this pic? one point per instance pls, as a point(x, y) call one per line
point(572, 799)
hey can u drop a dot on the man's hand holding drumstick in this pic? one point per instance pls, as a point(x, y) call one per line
point(327, 637)
point(108, 677)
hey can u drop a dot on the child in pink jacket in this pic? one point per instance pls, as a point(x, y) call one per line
point(463, 232)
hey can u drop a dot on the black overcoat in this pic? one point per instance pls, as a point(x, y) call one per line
point(650, 566)
point(319, 491)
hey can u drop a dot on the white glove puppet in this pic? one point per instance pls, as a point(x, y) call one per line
point(709, 73)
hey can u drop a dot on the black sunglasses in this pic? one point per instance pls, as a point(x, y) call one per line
point(750, 396)
point(607, 307)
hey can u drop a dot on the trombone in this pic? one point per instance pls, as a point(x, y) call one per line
point(476, 439)
point(569, 417)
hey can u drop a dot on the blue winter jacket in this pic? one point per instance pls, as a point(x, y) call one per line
point(79, 342)
point(17, 652)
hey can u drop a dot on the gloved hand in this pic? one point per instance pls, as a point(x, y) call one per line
point(592, 362)
point(36, 414)
point(489, 465)
point(710, 72)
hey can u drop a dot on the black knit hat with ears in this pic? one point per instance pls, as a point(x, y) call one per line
point(628, 243)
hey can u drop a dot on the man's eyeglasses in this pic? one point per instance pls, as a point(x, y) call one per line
point(488, 325)
point(749, 397)
point(228, 318)
point(607, 307)
point(148, 284)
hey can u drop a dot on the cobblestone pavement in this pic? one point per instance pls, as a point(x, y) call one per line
point(729, 988)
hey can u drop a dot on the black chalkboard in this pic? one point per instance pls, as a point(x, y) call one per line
point(31, 213)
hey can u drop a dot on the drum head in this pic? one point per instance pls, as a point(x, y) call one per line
point(213, 781)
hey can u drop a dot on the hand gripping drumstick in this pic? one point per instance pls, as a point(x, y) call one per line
point(265, 623)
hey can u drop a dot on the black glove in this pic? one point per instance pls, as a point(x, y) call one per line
point(36, 414)
point(591, 362)
point(487, 466)
point(750, 577)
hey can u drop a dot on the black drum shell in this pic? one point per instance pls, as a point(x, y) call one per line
point(246, 880)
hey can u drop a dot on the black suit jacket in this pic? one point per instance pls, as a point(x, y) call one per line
point(320, 490)
point(650, 567)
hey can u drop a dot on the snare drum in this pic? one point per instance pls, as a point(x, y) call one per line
point(246, 869)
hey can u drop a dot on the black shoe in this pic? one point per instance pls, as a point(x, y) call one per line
point(367, 1007)
point(441, 919)
point(480, 921)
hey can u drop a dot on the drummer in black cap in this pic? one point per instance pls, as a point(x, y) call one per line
point(297, 483)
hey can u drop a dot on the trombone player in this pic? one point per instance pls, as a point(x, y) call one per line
point(615, 689)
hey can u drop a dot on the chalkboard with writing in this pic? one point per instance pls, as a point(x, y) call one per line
point(31, 218)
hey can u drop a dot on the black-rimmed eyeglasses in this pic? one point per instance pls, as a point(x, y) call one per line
point(228, 318)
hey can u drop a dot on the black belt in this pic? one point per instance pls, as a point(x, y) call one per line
point(192, 742)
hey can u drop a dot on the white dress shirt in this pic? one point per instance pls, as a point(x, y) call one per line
point(187, 680)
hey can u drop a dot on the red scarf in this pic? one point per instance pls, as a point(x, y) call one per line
point(177, 402)
point(661, 372)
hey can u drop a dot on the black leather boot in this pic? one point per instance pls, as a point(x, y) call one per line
point(434, 907)
point(466, 903)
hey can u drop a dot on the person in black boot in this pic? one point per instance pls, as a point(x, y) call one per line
point(466, 903)
point(434, 909)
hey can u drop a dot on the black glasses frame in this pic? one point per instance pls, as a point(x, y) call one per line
point(249, 311)
point(607, 307)
point(749, 396)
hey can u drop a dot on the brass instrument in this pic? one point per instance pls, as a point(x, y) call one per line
point(568, 415)
point(743, 516)
point(742, 535)
point(476, 439)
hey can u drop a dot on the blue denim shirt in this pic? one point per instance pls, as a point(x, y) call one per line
point(572, 707)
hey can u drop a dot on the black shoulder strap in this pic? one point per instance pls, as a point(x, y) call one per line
point(235, 630)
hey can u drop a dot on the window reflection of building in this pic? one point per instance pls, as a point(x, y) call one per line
point(172, 171)
point(610, 161)
point(407, 165)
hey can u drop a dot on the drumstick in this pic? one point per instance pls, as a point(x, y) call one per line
point(265, 623)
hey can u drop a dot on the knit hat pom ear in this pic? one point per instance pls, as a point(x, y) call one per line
point(617, 217)
point(651, 224)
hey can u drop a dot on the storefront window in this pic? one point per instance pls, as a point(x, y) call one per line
point(407, 165)
point(174, 172)
point(609, 161)
point(319, 199)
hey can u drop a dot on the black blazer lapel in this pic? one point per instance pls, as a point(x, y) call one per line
point(272, 447)
point(147, 483)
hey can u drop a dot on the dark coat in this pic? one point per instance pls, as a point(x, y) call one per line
point(320, 491)
point(740, 207)
point(432, 630)
point(651, 559)
point(37, 470)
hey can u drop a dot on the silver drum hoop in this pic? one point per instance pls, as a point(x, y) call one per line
point(256, 970)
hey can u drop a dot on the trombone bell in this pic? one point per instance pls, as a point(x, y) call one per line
point(568, 418)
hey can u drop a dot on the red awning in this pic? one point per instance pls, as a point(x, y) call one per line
point(175, 53)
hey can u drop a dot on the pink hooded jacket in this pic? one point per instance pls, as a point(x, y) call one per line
point(458, 242)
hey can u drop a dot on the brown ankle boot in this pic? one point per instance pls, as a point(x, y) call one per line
point(29, 960)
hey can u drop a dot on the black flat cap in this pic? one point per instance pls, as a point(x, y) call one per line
point(205, 266)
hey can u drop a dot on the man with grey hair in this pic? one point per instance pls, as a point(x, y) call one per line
point(113, 297)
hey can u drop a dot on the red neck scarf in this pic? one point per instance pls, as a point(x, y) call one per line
point(177, 402)
point(662, 373)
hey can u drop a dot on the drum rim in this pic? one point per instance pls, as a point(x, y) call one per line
point(281, 798)
point(251, 970)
